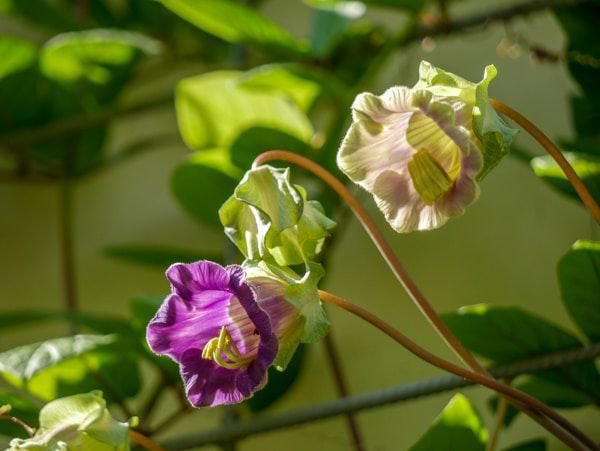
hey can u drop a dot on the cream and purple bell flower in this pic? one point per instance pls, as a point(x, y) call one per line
point(421, 151)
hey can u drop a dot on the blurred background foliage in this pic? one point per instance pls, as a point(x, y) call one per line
point(125, 124)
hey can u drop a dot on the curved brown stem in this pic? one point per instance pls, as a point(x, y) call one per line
point(588, 200)
point(384, 248)
point(478, 378)
point(392, 260)
point(144, 442)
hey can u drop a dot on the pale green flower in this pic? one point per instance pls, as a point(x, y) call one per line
point(76, 423)
point(421, 150)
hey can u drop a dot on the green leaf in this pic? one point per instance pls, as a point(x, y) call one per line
point(330, 21)
point(24, 362)
point(530, 445)
point(69, 365)
point(506, 334)
point(235, 23)
point(459, 426)
point(280, 383)
point(256, 140)
point(579, 277)
point(203, 182)
point(156, 256)
point(290, 80)
point(214, 108)
point(95, 63)
point(15, 55)
point(587, 168)
point(21, 408)
point(554, 393)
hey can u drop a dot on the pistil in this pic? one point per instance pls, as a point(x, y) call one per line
point(221, 345)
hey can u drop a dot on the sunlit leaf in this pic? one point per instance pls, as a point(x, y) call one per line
point(15, 55)
point(213, 109)
point(160, 257)
point(459, 426)
point(579, 276)
point(203, 182)
point(234, 22)
point(69, 365)
point(587, 168)
point(286, 79)
point(98, 60)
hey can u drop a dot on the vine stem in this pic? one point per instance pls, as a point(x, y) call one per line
point(392, 260)
point(588, 200)
point(498, 423)
point(143, 441)
point(384, 248)
point(481, 379)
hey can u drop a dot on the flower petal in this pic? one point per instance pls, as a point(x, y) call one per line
point(187, 279)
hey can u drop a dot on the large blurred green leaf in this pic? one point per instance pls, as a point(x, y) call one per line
point(579, 277)
point(22, 363)
point(15, 55)
point(459, 427)
point(256, 140)
point(506, 334)
point(235, 23)
point(288, 79)
point(157, 256)
point(587, 168)
point(95, 63)
point(203, 182)
point(19, 80)
point(280, 382)
point(214, 108)
point(65, 366)
point(21, 408)
point(330, 21)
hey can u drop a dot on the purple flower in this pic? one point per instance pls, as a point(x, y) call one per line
point(214, 327)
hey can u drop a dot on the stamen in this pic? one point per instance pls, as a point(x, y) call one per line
point(429, 178)
point(224, 344)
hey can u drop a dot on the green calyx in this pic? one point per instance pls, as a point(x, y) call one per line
point(494, 135)
point(429, 178)
point(270, 219)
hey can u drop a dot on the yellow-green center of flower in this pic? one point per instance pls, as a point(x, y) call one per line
point(429, 178)
point(224, 352)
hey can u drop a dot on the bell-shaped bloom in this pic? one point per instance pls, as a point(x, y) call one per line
point(79, 422)
point(418, 150)
point(222, 331)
